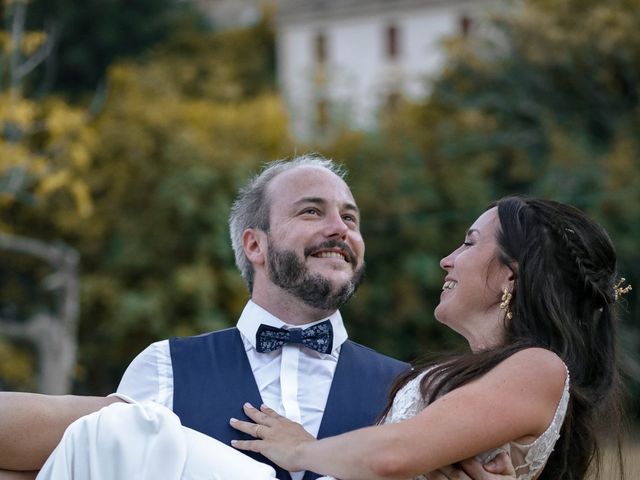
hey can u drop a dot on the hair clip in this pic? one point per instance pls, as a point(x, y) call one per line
point(619, 290)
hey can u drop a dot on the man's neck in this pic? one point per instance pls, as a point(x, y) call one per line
point(289, 309)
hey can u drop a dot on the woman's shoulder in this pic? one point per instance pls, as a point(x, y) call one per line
point(535, 379)
point(537, 362)
point(545, 357)
point(535, 367)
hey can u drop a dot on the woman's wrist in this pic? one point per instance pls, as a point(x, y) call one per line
point(303, 454)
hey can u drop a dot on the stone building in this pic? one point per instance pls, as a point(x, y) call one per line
point(345, 61)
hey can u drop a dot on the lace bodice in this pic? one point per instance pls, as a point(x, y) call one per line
point(528, 459)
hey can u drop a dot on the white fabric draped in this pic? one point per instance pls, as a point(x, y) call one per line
point(145, 441)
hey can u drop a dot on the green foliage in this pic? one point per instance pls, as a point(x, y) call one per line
point(158, 257)
point(176, 137)
point(544, 103)
point(16, 367)
point(44, 157)
point(413, 214)
point(92, 34)
point(555, 98)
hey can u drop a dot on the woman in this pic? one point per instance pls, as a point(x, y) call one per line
point(532, 289)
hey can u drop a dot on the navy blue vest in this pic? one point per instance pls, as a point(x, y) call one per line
point(213, 379)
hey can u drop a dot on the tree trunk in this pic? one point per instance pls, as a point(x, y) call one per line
point(53, 334)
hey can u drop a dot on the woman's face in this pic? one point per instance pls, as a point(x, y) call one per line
point(473, 286)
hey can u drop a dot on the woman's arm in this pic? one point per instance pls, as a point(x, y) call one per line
point(31, 425)
point(514, 401)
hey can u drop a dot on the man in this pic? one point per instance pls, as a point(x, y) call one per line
point(296, 238)
point(295, 232)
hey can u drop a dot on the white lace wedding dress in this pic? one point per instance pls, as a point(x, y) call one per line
point(528, 460)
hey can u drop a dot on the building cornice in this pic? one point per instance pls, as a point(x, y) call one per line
point(301, 11)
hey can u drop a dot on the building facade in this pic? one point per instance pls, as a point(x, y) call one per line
point(346, 61)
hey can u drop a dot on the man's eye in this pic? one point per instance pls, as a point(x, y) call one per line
point(313, 211)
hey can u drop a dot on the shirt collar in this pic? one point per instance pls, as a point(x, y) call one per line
point(253, 315)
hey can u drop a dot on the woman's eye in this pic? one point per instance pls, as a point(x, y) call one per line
point(467, 244)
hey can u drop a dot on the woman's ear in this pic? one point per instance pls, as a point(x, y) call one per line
point(254, 245)
point(511, 280)
point(513, 274)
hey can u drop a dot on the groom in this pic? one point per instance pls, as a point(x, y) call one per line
point(295, 232)
point(296, 238)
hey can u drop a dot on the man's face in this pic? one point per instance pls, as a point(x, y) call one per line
point(315, 250)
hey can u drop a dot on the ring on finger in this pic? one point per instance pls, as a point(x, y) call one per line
point(257, 432)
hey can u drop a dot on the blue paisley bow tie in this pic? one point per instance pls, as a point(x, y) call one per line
point(319, 337)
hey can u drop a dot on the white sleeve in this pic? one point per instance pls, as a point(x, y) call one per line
point(144, 442)
point(150, 376)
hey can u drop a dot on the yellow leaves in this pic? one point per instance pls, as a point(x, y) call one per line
point(186, 128)
point(21, 113)
point(51, 149)
point(605, 26)
point(82, 198)
point(79, 156)
point(30, 42)
point(13, 155)
point(63, 119)
point(623, 170)
point(615, 28)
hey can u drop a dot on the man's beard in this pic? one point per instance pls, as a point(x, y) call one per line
point(290, 273)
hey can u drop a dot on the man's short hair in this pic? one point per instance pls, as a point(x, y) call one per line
point(251, 207)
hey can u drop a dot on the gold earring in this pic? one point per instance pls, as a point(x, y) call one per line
point(506, 299)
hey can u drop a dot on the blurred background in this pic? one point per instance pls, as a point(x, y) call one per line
point(126, 127)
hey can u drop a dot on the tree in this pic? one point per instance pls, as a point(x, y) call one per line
point(550, 101)
point(143, 189)
point(89, 35)
point(52, 333)
point(43, 151)
point(156, 255)
point(544, 102)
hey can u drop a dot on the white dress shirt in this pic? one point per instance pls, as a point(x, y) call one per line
point(294, 380)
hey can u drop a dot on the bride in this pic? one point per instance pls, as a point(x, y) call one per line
point(532, 289)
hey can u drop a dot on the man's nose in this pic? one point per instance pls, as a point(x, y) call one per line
point(335, 226)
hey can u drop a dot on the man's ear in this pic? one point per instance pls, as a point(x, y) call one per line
point(254, 243)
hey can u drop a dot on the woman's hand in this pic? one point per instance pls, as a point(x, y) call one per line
point(500, 468)
point(278, 438)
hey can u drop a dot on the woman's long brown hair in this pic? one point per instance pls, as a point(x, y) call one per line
point(563, 300)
